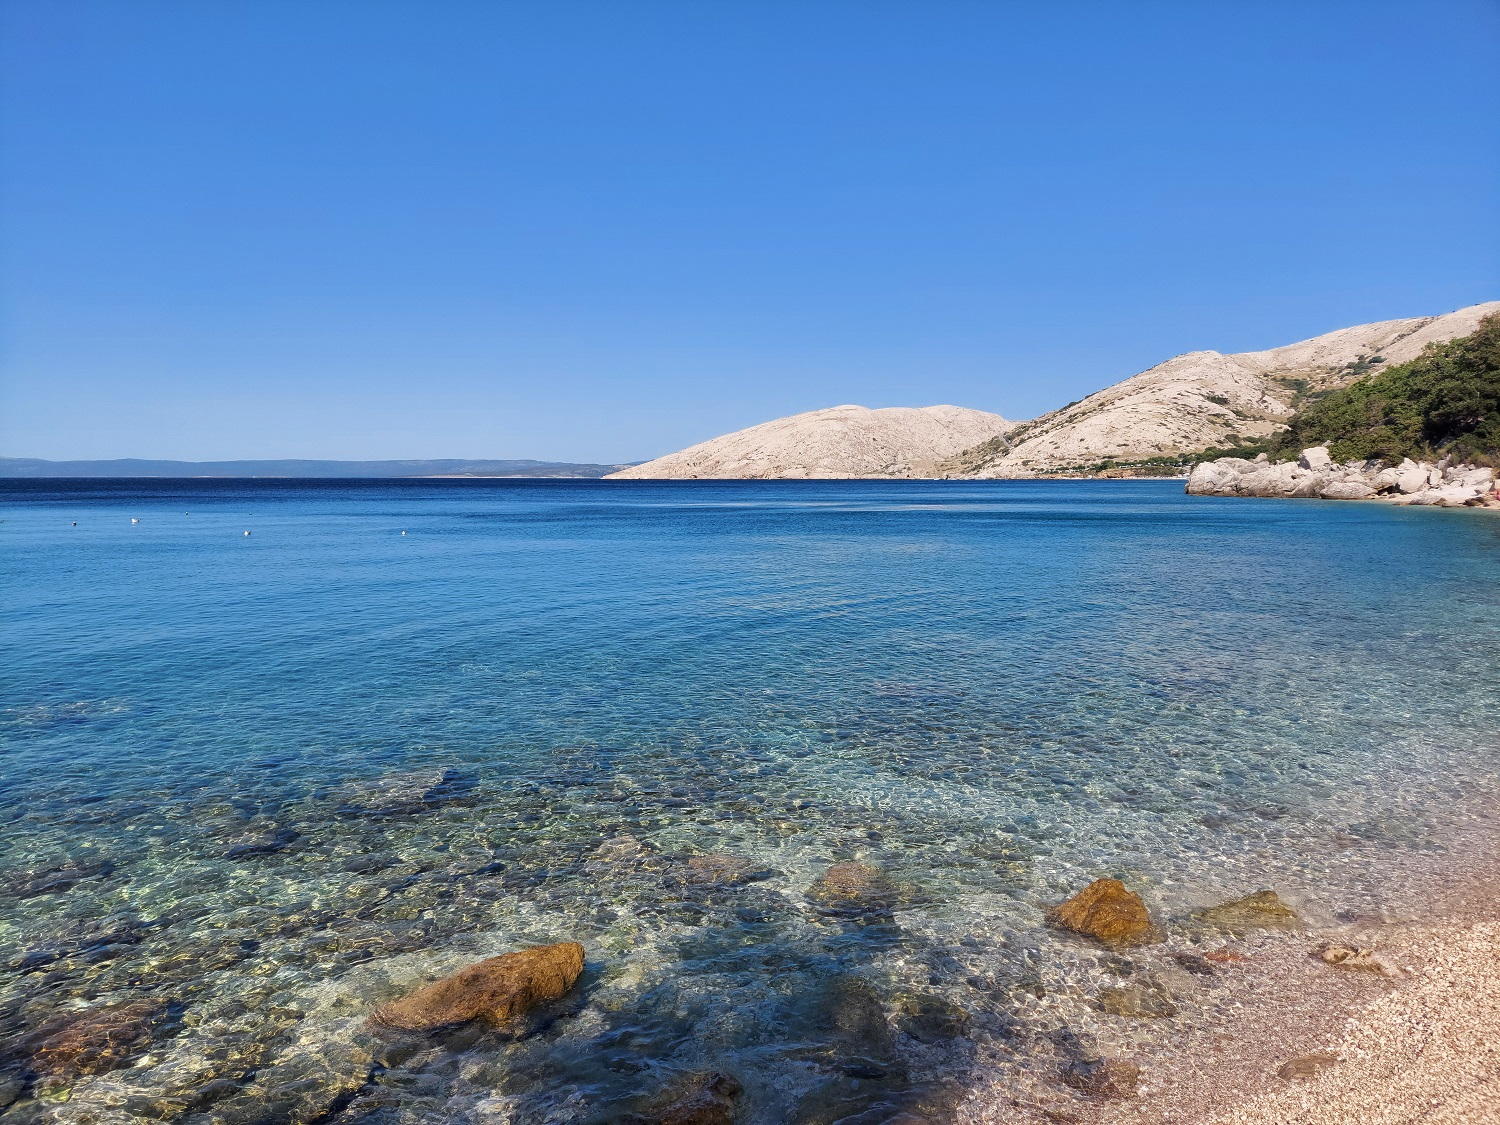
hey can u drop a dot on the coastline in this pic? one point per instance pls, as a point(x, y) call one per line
point(1292, 1040)
point(292, 913)
point(1315, 475)
point(1298, 1042)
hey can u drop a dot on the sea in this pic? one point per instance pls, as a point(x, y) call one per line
point(276, 752)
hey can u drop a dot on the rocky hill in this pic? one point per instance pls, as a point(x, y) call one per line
point(1204, 400)
point(837, 443)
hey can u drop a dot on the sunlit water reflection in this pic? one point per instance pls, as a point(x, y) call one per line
point(261, 784)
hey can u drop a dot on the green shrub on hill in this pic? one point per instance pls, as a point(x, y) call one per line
point(1446, 402)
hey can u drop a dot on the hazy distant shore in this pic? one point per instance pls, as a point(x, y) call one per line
point(129, 468)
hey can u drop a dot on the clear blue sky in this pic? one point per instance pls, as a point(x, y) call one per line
point(604, 230)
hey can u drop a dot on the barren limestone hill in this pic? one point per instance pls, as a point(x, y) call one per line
point(836, 443)
point(1204, 400)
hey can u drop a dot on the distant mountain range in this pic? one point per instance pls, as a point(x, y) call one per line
point(33, 467)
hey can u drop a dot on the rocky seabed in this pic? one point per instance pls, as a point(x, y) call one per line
point(1315, 475)
point(393, 999)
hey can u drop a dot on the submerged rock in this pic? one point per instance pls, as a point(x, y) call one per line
point(1308, 1066)
point(95, 1040)
point(1225, 957)
point(1359, 960)
point(1137, 1001)
point(408, 792)
point(713, 870)
point(848, 1034)
point(496, 990)
point(1263, 910)
point(303, 1085)
point(851, 1029)
point(1196, 964)
point(1108, 912)
point(86, 941)
point(263, 843)
point(853, 888)
point(931, 1019)
point(694, 1099)
point(58, 877)
point(1102, 1078)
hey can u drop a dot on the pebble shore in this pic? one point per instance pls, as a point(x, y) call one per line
point(1303, 1044)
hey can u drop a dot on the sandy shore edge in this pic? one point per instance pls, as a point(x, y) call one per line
point(1427, 1051)
point(1303, 1043)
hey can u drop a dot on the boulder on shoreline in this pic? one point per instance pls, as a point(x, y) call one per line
point(1108, 912)
point(1316, 474)
point(496, 990)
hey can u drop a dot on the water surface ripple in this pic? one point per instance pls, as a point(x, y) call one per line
point(255, 785)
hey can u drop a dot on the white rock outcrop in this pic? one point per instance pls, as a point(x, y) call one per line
point(838, 443)
point(1206, 399)
point(1316, 474)
point(1314, 459)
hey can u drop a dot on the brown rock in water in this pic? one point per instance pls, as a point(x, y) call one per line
point(1261, 911)
point(710, 870)
point(1102, 1078)
point(1195, 964)
point(931, 1019)
point(1225, 957)
point(96, 1040)
point(851, 1024)
point(1137, 1001)
point(853, 888)
point(1308, 1066)
point(1106, 911)
point(496, 990)
point(695, 1099)
point(1363, 960)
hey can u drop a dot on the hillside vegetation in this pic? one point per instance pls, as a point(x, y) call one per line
point(1444, 403)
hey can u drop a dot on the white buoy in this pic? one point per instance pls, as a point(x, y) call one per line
point(403, 533)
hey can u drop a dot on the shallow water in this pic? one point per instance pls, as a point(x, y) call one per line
point(992, 691)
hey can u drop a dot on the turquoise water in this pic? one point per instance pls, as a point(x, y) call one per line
point(266, 782)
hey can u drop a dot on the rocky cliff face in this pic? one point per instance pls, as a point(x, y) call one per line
point(837, 443)
point(1316, 475)
point(1203, 400)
